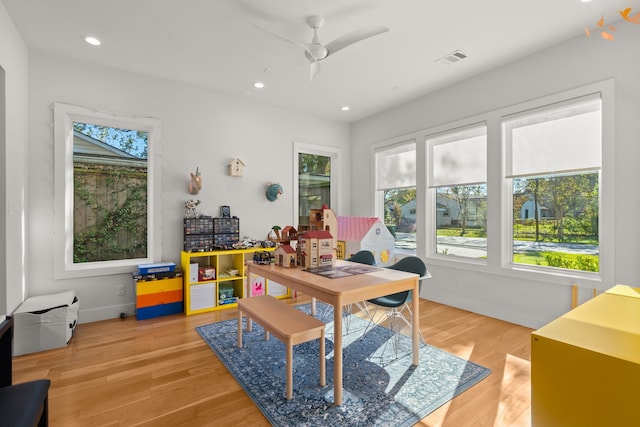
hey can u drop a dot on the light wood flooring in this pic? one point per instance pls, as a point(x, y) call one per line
point(159, 372)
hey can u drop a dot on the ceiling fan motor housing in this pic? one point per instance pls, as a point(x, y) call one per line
point(318, 51)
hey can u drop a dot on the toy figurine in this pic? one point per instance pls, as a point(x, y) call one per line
point(190, 205)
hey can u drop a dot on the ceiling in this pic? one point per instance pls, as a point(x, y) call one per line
point(213, 43)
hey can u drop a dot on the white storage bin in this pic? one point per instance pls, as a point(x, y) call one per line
point(45, 322)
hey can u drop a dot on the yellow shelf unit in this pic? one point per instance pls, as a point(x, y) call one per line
point(585, 365)
point(202, 294)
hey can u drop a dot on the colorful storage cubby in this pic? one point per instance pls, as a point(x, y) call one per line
point(159, 297)
point(229, 283)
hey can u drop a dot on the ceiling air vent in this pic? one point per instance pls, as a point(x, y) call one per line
point(452, 58)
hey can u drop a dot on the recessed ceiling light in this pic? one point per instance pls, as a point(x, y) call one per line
point(92, 41)
point(258, 85)
point(346, 108)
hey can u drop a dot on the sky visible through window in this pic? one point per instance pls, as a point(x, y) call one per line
point(130, 141)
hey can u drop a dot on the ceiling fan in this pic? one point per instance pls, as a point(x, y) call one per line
point(316, 51)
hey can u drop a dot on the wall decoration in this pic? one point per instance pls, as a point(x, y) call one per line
point(195, 184)
point(236, 167)
point(274, 192)
point(606, 31)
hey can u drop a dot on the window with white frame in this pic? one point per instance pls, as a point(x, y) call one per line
point(104, 184)
point(316, 172)
point(395, 170)
point(553, 159)
point(457, 174)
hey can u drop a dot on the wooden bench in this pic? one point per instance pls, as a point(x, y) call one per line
point(285, 322)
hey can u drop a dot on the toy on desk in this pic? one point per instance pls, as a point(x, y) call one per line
point(276, 230)
point(285, 256)
point(315, 249)
point(262, 257)
point(289, 234)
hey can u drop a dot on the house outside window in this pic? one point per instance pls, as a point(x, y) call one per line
point(395, 170)
point(553, 162)
point(457, 174)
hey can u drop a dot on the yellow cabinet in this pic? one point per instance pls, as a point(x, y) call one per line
point(216, 279)
point(585, 365)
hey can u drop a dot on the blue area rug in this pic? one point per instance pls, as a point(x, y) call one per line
point(378, 387)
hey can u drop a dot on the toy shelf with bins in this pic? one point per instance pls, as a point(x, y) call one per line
point(220, 290)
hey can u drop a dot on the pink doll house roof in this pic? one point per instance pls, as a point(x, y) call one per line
point(354, 228)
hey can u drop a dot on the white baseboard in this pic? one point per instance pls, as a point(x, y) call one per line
point(105, 313)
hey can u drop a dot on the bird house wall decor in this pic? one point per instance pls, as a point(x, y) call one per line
point(236, 167)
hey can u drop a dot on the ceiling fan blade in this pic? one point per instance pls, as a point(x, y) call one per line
point(314, 67)
point(305, 46)
point(353, 37)
point(314, 70)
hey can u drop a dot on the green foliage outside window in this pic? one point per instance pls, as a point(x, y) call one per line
point(118, 225)
point(110, 194)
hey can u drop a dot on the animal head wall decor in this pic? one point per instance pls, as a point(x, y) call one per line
point(195, 184)
point(274, 192)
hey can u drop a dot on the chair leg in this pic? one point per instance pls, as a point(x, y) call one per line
point(393, 314)
point(346, 313)
point(371, 318)
point(406, 305)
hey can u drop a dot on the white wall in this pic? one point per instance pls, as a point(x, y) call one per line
point(205, 129)
point(199, 128)
point(13, 166)
point(574, 63)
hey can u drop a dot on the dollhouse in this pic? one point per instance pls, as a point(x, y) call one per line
point(315, 249)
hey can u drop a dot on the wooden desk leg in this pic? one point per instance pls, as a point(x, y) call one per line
point(323, 362)
point(313, 307)
point(415, 327)
point(337, 353)
point(239, 328)
point(289, 345)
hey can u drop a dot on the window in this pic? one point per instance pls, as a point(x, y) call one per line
point(395, 168)
point(553, 159)
point(316, 170)
point(458, 175)
point(104, 191)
